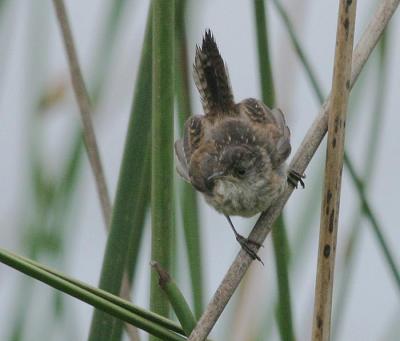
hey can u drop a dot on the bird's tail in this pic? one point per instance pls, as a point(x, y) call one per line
point(211, 78)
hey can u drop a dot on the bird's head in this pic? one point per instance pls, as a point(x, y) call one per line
point(238, 164)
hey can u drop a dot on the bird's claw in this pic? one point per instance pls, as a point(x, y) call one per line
point(244, 243)
point(294, 178)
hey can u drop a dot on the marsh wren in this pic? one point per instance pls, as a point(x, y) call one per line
point(235, 153)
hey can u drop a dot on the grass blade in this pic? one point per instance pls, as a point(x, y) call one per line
point(264, 59)
point(93, 296)
point(279, 235)
point(374, 223)
point(162, 146)
point(127, 197)
point(284, 305)
point(299, 51)
point(176, 298)
point(187, 196)
point(103, 55)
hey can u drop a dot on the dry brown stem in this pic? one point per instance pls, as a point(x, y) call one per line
point(333, 170)
point(82, 97)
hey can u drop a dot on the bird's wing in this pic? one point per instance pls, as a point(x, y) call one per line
point(272, 125)
point(283, 146)
point(193, 134)
point(181, 166)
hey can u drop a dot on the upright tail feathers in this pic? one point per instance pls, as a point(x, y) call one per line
point(211, 78)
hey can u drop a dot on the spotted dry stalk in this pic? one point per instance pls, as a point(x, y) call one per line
point(300, 162)
point(333, 170)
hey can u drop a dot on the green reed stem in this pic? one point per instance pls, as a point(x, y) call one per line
point(100, 299)
point(279, 235)
point(176, 298)
point(162, 146)
point(187, 196)
point(105, 327)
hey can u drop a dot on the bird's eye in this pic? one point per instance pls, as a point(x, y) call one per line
point(240, 171)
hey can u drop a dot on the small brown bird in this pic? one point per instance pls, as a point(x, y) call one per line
point(234, 154)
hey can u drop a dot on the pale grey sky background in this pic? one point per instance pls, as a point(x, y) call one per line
point(373, 305)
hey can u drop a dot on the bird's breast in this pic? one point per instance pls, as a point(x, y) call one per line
point(245, 198)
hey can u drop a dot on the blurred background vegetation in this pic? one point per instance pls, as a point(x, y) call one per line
point(280, 51)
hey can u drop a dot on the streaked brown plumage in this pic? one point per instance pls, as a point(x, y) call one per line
point(234, 154)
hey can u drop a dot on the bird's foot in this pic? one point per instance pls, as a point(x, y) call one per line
point(294, 178)
point(246, 243)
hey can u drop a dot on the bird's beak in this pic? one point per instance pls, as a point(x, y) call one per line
point(215, 176)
